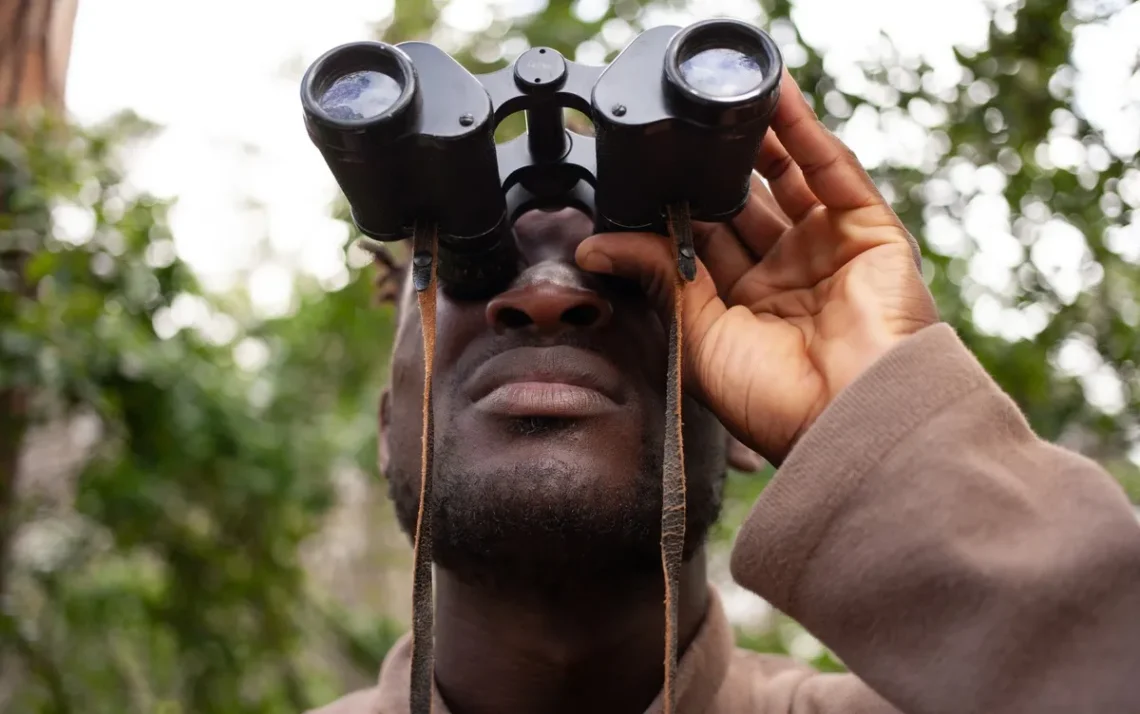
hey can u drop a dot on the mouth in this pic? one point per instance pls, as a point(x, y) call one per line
point(546, 382)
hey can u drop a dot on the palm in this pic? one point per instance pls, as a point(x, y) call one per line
point(815, 280)
point(798, 324)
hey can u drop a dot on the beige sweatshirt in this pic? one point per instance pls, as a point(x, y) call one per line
point(955, 562)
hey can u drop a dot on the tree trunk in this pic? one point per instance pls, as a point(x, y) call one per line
point(35, 46)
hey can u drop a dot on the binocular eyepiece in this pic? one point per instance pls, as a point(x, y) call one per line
point(409, 135)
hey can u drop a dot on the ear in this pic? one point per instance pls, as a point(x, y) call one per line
point(740, 457)
point(385, 421)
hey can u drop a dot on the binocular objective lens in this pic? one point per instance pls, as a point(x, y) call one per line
point(360, 95)
point(722, 72)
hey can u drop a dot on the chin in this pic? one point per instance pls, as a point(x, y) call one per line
point(550, 503)
point(556, 476)
point(543, 509)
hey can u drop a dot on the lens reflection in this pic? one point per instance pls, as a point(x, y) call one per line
point(722, 72)
point(360, 95)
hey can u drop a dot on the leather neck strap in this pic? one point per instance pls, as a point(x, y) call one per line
point(423, 605)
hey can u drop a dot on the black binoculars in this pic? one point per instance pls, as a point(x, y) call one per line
point(409, 135)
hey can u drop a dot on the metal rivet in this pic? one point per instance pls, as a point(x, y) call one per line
point(466, 120)
point(687, 251)
point(618, 110)
point(421, 260)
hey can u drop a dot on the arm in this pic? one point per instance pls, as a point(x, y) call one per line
point(952, 559)
point(955, 561)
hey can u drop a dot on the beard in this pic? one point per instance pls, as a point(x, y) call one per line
point(543, 526)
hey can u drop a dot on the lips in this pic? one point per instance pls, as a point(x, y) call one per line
point(556, 382)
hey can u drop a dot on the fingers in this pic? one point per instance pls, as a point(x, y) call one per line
point(648, 259)
point(742, 458)
point(726, 252)
point(828, 169)
point(729, 251)
point(762, 221)
point(723, 254)
point(789, 188)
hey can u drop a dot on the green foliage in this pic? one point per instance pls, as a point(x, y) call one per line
point(162, 572)
point(178, 584)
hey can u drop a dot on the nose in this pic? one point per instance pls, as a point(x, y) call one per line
point(548, 308)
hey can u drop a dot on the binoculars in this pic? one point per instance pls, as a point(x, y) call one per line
point(409, 135)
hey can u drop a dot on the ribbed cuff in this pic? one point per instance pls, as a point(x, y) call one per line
point(902, 390)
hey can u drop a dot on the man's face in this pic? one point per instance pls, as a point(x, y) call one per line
point(549, 403)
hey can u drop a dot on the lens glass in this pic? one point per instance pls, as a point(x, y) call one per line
point(722, 72)
point(360, 95)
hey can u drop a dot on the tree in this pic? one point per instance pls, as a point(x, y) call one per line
point(177, 454)
point(35, 44)
point(154, 493)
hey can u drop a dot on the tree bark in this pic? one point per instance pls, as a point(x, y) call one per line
point(35, 48)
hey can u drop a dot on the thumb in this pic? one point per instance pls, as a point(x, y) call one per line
point(647, 259)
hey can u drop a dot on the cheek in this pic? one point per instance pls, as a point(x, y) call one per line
point(406, 398)
point(407, 372)
point(457, 326)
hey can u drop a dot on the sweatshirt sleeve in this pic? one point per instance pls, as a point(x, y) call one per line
point(953, 560)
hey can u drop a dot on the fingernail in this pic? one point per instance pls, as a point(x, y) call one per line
point(597, 262)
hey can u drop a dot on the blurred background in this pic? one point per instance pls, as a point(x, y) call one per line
point(191, 518)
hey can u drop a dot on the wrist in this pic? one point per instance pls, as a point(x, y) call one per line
point(859, 356)
point(863, 353)
point(878, 328)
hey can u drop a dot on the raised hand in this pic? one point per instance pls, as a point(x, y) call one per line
point(811, 284)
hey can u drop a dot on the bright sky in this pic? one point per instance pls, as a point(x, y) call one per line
point(222, 78)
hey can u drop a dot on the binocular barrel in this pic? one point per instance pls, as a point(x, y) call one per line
point(403, 155)
point(408, 134)
point(695, 138)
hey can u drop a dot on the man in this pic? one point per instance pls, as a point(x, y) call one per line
point(954, 561)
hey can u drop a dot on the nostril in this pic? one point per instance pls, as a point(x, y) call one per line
point(513, 318)
point(581, 315)
point(548, 307)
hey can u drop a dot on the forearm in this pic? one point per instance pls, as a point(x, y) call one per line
point(952, 559)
